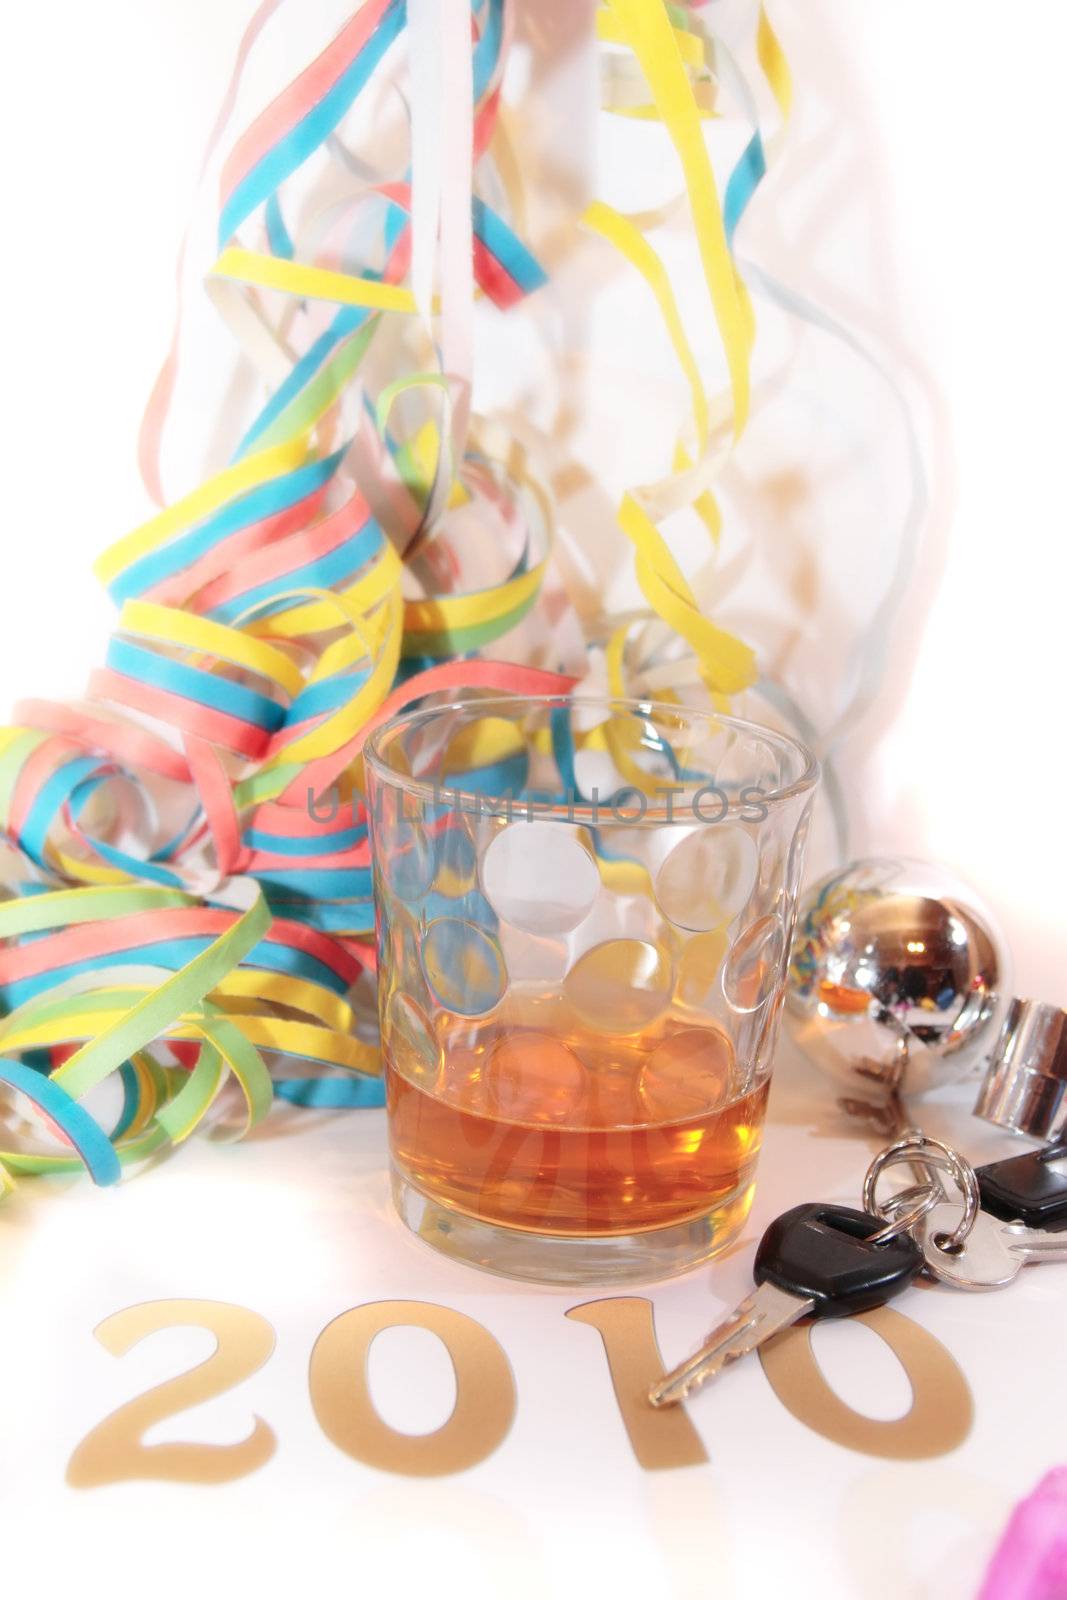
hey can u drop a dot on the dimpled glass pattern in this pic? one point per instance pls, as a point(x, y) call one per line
point(584, 916)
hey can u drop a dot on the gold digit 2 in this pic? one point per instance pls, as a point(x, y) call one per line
point(113, 1452)
point(663, 1438)
point(340, 1397)
point(941, 1411)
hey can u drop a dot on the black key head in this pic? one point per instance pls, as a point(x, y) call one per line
point(820, 1253)
point(1027, 1188)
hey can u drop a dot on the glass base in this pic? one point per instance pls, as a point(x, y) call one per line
point(566, 1260)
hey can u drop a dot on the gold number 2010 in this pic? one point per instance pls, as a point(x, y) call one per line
point(114, 1451)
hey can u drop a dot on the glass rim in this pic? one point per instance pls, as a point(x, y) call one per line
point(594, 813)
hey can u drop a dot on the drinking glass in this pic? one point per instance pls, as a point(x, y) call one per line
point(584, 913)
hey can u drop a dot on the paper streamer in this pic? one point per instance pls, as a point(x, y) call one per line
point(185, 909)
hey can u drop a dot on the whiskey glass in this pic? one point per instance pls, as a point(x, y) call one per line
point(584, 915)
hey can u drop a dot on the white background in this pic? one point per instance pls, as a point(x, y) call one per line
point(927, 149)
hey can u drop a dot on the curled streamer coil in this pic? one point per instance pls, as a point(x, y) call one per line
point(181, 914)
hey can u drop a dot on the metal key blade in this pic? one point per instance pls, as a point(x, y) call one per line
point(1032, 1244)
point(760, 1315)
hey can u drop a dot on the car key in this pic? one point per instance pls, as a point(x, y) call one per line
point(815, 1261)
point(992, 1255)
point(1027, 1188)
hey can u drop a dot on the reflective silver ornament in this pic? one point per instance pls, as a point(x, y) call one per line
point(896, 978)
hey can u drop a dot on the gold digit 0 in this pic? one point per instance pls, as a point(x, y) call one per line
point(942, 1409)
point(113, 1451)
point(659, 1439)
point(340, 1396)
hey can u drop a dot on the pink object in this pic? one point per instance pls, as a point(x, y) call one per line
point(1031, 1560)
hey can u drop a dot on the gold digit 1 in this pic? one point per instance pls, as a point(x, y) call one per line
point(113, 1452)
point(663, 1438)
point(941, 1412)
point(340, 1397)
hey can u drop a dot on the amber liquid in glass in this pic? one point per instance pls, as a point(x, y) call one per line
point(534, 1119)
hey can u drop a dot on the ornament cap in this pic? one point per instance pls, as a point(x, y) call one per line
point(1025, 1086)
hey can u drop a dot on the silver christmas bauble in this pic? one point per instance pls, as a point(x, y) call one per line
point(896, 978)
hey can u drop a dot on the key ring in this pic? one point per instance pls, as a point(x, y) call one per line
point(926, 1197)
point(935, 1154)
